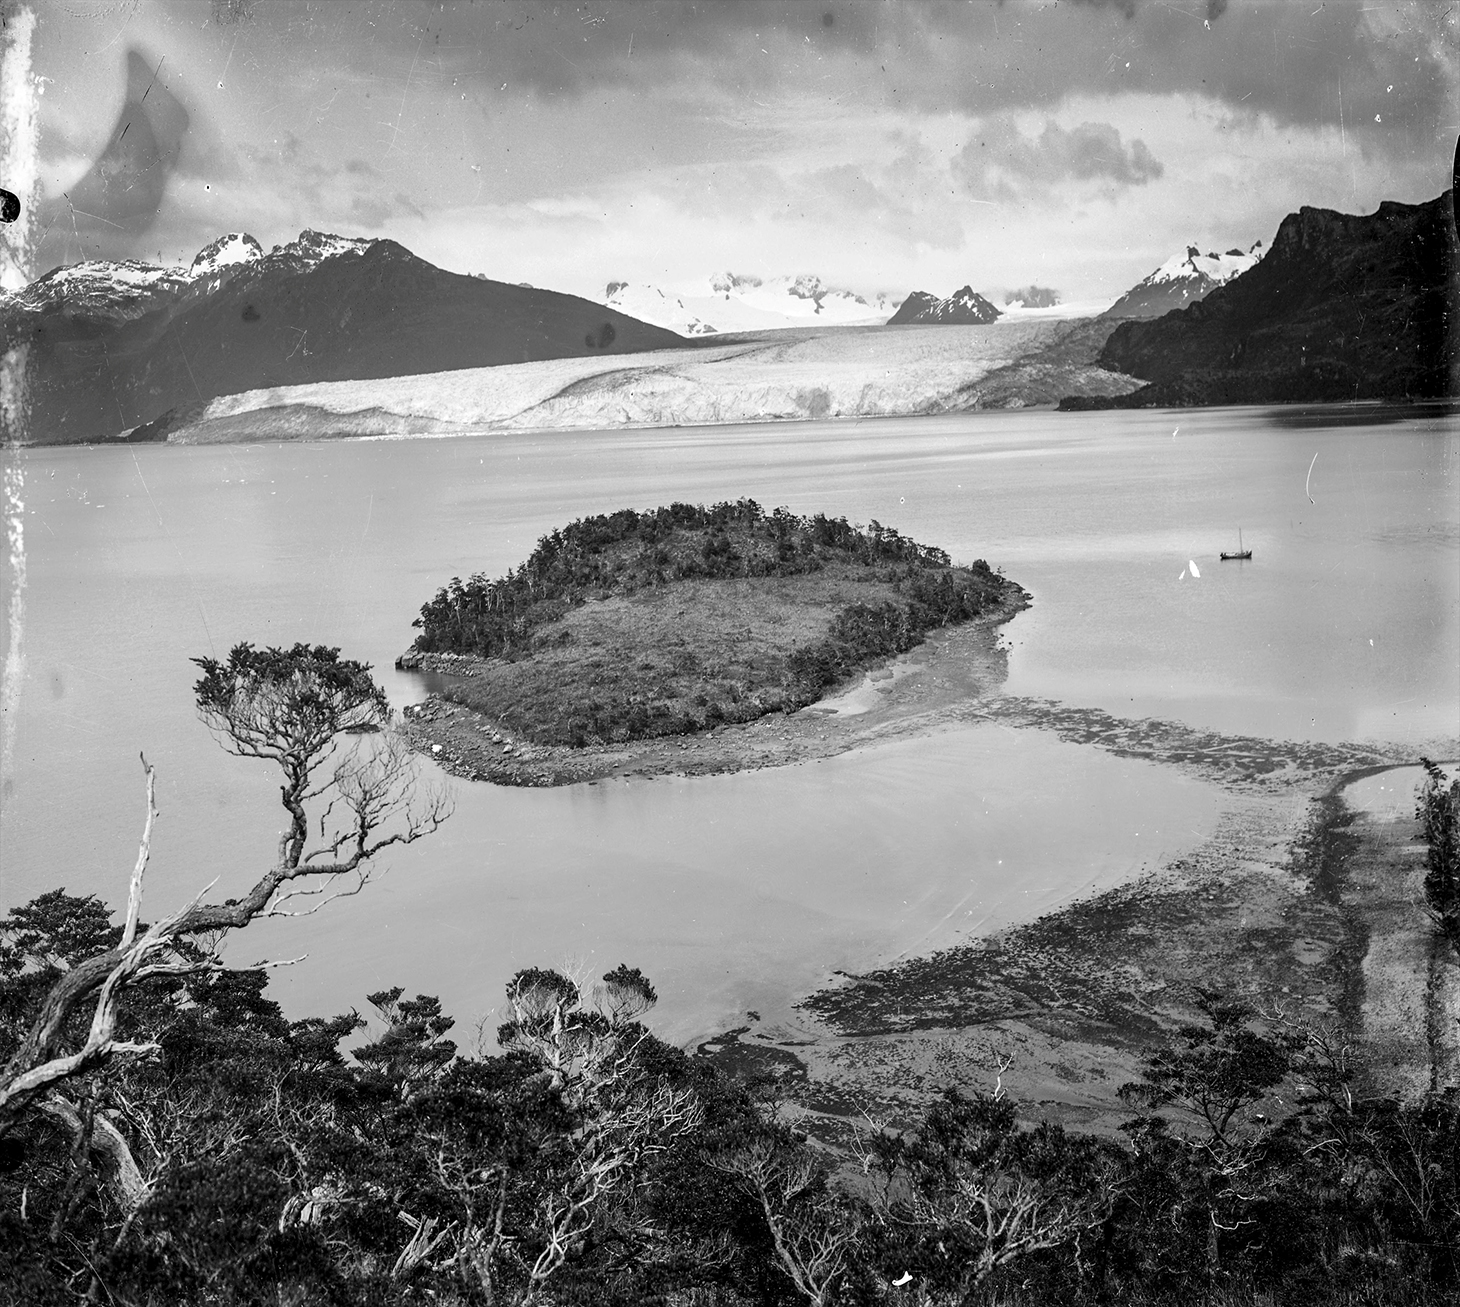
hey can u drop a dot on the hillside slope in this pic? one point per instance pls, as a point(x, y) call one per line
point(319, 309)
point(1343, 307)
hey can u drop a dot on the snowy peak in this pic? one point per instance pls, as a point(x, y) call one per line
point(807, 287)
point(964, 306)
point(1215, 268)
point(314, 247)
point(730, 301)
point(728, 283)
point(237, 247)
point(806, 299)
point(311, 248)
point(650, 304)
point(1183, 279)
point(113, 290)
point(119, 290)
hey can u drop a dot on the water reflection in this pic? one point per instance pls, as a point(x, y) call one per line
point(1363, 413)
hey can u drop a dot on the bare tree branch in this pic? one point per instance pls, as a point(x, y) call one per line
point(292, 707)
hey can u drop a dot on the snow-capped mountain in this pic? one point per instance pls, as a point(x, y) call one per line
point(120, 290)
point(727, 302)
point(1181, 280)
point(109, 290)
point(227, 252)
point(236, 247)
point(963, 306)
point(117, 346)
point(1343, 306)
point(311, 248)
point(650, 304)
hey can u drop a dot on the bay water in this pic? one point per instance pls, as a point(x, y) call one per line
point(735, 892)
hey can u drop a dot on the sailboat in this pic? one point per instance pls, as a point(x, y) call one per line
point(1239, 552)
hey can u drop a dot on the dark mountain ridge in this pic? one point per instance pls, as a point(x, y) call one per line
point(1343, 307)
point(319, 309)
point(963, 306)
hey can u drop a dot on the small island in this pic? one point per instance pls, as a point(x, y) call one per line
point(628, 640)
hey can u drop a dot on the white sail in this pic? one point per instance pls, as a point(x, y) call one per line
point(1192, 566)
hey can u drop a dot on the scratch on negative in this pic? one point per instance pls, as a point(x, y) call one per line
point(14, 674)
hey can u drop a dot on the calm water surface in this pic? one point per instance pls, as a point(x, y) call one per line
point(731, 891)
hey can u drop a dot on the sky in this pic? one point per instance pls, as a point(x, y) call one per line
point(886, 147)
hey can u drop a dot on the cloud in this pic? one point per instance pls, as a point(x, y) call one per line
point(906, 201)
point(1000, 161)
point(1400, 60)
point(118, 198)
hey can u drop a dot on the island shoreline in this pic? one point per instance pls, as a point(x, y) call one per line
point(952, 664)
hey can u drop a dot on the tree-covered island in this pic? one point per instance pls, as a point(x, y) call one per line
point(652, 626)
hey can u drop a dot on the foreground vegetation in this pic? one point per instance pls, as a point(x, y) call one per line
point(246, 1161)
point(639, 625)
point(168, 1137)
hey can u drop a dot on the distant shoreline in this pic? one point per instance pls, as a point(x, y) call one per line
point(312, 424)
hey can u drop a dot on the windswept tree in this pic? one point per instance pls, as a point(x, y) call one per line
point(970, 1192)
point(350, 791)
point(814, 1229)
point(1220, 1085)
point(592, 1051)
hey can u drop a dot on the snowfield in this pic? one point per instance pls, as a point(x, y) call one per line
point(727, 302)
point(781, 375)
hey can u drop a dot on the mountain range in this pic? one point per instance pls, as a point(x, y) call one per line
point(1340, 307)
point(110, 347)
point(734, 302)
point(1343, 307)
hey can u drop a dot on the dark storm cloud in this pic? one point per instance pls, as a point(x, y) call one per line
point(1290, 61)
point(999, 159)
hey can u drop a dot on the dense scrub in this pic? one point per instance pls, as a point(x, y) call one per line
point(1438, 810)
point(636, 670)
point(587, 1162)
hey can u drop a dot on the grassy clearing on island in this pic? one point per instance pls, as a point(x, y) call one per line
point(637, 625)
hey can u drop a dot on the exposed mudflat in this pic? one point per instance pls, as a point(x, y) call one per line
point(1409, 1013)
point(1304, 902)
